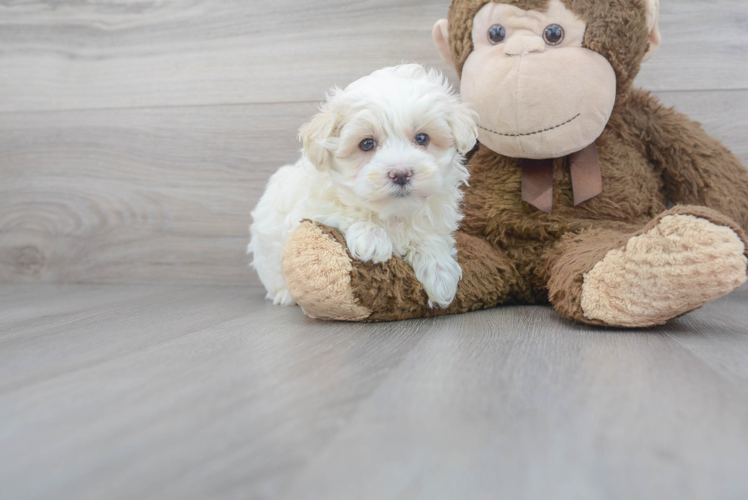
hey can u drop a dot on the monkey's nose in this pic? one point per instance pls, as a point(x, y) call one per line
point(520, 45)
point(400, 177)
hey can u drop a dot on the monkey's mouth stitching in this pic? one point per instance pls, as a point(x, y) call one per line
point(533, 133)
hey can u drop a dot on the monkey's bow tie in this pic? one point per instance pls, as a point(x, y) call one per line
point(586, 179)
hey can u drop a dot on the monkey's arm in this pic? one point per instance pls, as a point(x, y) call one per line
point(328, 284)
point(697, 169)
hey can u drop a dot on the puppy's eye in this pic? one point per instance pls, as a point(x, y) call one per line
point(553, 34)
point(422, 140)
point(368, 145)
point(496, 33)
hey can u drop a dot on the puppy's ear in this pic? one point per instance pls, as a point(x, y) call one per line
point(464, 128)
point(315, 135)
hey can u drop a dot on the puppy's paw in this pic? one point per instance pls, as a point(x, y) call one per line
point(368, 242)
point(282, 298)
point(439, 279)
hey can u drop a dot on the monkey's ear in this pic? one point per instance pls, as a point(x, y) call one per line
point(440, 33)
point(653, 18)
point(464, 128)
point(315, 135)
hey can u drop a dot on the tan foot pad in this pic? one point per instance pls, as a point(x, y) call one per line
point(681, 264)
point(317, 271)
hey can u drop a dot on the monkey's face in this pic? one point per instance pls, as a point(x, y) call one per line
point(538, 92)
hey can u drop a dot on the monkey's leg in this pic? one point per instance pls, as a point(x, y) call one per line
point(328, 284)
point(685, 258)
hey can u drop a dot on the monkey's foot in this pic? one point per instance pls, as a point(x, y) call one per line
point(317, 271)
point(680, 264)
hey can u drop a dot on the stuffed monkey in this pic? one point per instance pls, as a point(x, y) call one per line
point(570, 186)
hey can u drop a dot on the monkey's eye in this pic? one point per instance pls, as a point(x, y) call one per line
point(553, 34)
point(368, 145)
point(496, 33)
point(422, 140)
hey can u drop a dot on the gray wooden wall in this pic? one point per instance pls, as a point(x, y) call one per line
point(136, 136)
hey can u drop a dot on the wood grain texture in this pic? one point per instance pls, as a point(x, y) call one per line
point(85, 55)
point(135, 137)
point(137, 195)
point(114, 54)
point(702, 47)
point(164, 194)
point(129, 392)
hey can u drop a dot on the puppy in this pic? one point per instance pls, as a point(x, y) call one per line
point(382, 163)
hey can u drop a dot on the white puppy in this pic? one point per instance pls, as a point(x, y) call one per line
point(383, 163)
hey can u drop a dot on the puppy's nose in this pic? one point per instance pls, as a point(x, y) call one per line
point(400, 177)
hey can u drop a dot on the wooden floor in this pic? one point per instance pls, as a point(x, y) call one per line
point(136, 137)
point(196, 392)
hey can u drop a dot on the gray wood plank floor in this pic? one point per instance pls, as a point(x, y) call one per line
point(133, 392)
point(136, 137)
point(113, 54)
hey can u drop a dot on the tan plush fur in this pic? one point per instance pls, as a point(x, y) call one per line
point(616, 30)
point(665, 272)
point(650, 156)
point(523, 113)
point(318, 269)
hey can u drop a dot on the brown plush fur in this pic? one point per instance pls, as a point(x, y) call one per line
point(576, 254)
point(393, 292)
point(317, 267)
point(650, 157)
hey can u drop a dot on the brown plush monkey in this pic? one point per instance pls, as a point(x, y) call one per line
point(570, 187)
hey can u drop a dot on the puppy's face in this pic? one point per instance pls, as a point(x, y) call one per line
point(391, 139)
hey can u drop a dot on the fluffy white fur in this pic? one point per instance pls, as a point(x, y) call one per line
point(337, 183)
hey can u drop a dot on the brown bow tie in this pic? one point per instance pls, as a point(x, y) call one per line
point(586, 179)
